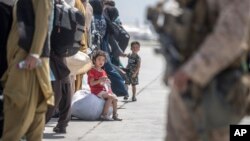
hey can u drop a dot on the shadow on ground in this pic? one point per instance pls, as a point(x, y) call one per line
point(53, 136)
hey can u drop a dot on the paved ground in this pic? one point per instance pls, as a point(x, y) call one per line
point(143, 120)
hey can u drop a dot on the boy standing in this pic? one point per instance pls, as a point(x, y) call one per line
point(133, 67)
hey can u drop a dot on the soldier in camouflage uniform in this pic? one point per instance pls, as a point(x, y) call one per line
point(205, 43)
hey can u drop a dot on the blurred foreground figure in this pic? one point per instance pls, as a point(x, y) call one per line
point(27, 89)
point(205, 43)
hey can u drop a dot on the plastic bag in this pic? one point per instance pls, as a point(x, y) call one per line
point(87, 106)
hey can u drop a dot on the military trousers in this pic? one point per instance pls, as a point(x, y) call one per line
point(180, 126)
point(204, 114)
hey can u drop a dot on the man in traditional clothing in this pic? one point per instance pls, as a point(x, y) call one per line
point(206, 43)
point(27, 91)
point(88, 17)
point(86, 9)
point(61, 85)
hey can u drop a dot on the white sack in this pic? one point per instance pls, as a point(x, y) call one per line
point(87, 106)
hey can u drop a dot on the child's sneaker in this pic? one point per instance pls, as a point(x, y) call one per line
point(115, 117)
point(105, 118)
point(134, 98)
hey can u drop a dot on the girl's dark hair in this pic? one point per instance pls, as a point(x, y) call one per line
point(134, 43)
point(98, 53)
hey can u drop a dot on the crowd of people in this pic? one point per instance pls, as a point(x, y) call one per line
point(42, 86)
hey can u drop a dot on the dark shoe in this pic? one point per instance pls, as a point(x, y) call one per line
point(115, 117)
point(125, 98)
point(134, 98)
point(59, 130)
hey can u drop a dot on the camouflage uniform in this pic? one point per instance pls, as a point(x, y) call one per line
point(133, 62)
point(209, 42)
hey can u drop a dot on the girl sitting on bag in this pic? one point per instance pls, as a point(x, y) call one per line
point(100, 85)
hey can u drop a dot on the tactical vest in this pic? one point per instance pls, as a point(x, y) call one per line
point(186, 30)
point(182, 34)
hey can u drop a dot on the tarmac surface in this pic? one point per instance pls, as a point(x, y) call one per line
point(143, 120)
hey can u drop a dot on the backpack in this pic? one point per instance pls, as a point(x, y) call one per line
point(120, 34)
point(68, 29)
point(111, 15)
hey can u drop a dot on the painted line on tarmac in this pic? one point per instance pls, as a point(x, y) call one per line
point(142, 89)
point(90, 130)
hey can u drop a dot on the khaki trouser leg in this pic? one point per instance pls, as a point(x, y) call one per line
point(78, 82)
point(36, 128)
point(179, 123)
point(24, 107)
point(219, 134)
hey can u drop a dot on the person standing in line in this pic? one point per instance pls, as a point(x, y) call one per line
point(100, 40)
point(84, 45)
point(89, 14)
point(62, 88)
point(27, 89)
point(111, 15)
point(133, 68)
point(87, 34)
point(100, 85)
